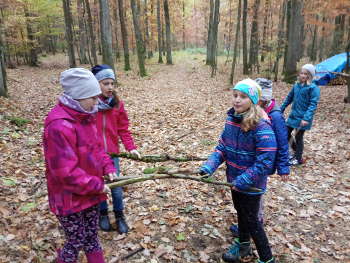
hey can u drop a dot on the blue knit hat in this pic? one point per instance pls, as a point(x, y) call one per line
point(249, 87)
point(102, 72)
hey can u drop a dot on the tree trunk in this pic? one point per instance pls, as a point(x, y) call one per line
point(214, 43)
point(235, 49)
point(106, 34)
point(159, 29)
point(68, 20)
point(3, 82)
point(124, 35)
point(254, 39)
point(338, 35)
point(33, 56)
point(91, 32)
point(183, 25)
point(264, 47)
point(82, 32)
point(281, 37)
point(209, 60)
point(169, 59)
point(244, 38)
point(322, 37)
point(115, 30)
point(139, 42)
point(148, 42)
point(313, 47)
point(293, 40)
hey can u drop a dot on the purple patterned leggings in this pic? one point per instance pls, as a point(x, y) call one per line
point(81, 233)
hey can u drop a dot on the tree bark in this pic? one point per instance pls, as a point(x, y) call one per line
point(183, 26)
point(210, 34)
point(68, 20)
point(338, 35)
point(264, 47)
point(281, 37)
point(235, 49)
point(169, 59)
point(159, 29)
point(244, 38)
point(214, 44)
point(106, 34)
point(91, 33)
point(124, 35)
point(32, 43)
point(3, 81)
point(322, 37)
point(313, 46)
point(147, 37)
point(293, 41)
point(139, 42)
point(254, 39)
point(115, 31)
point(82, 32)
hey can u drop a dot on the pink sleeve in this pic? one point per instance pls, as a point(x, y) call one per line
point(123, 129)
point(62, 161)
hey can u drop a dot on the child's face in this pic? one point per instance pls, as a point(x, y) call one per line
point(107, 86)
point(303, 76)
point(89, 103)
point(240, 101)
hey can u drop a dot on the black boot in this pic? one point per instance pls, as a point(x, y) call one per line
point(237, 251)
point(104, 223)
point(122, 227)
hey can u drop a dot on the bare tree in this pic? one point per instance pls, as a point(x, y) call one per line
point(124, 35)
point(235, 49)
point(91, 32)
point(82, 32)
point(159, 28)
point(169, 59)
point(68, 20)
point(254, 39)
point(106, 34)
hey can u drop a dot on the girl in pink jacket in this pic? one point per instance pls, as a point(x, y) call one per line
point(75, 165)
point(112, 126)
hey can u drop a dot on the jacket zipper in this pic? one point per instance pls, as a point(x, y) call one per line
point(104, 130)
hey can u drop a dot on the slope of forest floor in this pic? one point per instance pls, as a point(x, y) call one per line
point(177, 110)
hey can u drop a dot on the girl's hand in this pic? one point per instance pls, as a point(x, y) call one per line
point(284, 177)
point(107, 190)
point(304, 123)
point(112, 176)
point(136, 153)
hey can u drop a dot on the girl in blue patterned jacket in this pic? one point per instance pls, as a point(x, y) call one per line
point(248, 147)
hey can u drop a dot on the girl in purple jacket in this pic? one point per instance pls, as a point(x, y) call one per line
point(75, 165)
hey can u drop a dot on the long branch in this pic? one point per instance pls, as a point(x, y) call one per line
point(159, 158)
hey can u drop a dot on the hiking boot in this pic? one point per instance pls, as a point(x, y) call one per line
point(122, 227)
point(272, 260)
point(237, 251)
point(234, 230)
point(295, 162)
point(104, 223)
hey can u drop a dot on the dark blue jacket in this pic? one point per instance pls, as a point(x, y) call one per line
point(249, 156)
point(281, 133)
point(304, 99)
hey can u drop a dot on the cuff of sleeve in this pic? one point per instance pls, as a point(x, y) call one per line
point(205, 169)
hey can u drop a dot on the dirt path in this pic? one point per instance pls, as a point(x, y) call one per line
point(177, 109)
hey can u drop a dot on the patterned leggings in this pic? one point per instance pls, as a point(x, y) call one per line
point(81, 233)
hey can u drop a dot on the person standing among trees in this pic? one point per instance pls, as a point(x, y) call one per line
point(112, 126)
point(248, 147)
point(75, 165)
point(304, 97)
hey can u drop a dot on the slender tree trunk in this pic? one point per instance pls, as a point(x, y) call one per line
point(263, 44)
point(33, 56)
point(338, 34)
point(159, 28)
point(169, 59)
point(214, 44)
point(116, 37)
point(148, 42)
point(244, 38)
point(210, 34)
point(183, 25)
point(3, 82)
point(281, 38)
point(139, 42)
point(82, 32)
point(254, 39)
point(91, 32)
point(106, 34)
point(124, 35)
point(294, 39)
point(68, 20)
point(322, 37)
point(235, 49)
point(313, 47)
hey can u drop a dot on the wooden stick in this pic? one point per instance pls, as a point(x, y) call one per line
point(158, 158)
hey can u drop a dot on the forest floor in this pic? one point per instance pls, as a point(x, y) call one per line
point(177, 110)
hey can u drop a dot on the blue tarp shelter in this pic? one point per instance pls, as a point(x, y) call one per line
point(336, 63)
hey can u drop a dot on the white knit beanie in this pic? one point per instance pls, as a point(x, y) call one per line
point(310, 68)
point(79, 83)
point(266, 86)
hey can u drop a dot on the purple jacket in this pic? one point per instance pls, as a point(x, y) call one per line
point(75, 161)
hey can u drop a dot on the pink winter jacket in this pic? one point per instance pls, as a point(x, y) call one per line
point(75, 161)
point(113, 124)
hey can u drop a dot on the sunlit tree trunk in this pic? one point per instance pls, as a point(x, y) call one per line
point(69, 32)
point(139, 42)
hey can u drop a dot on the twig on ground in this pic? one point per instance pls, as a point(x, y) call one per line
point(158, 158)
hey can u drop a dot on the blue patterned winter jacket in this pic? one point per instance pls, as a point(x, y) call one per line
point(249, 156)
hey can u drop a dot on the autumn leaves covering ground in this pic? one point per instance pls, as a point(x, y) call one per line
point(177, 110)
